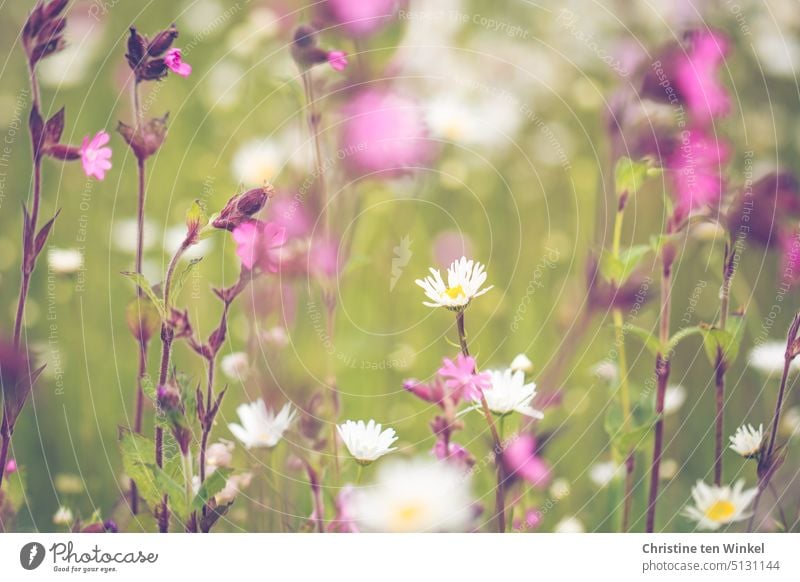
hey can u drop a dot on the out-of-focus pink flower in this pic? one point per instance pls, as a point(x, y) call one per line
point(460, 378)
point(453, 453)
point(289, 212)
point(695, 167)
point(697, 76)
point(384, 135)
point(174, 60)
point(95, 156)
point(533, 517)
point(323, 258)
point(520, 460)
point(343, 522)
point(361, 18)
point(337, 60)
point(11, 466)
point(257, 244)
point(432, 392)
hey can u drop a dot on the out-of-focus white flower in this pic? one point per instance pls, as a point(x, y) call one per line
point(261, 427)
point(522, 363)
point(123, 235)
point(746, 441)
point(64, 261)
point(63, 516)
point(223, 86)
point(175, 236)
point(715, 506)
point(260, 25)
point(233, 486)
point(790, 423)
point(276, 336)
point(602, 474)
point(674, 397)
point(259, 161)
point(72, 65)
point(465, 279)
point(219, 455)
point(668, 469)
point(560, 488)
point(509, 393)
point(570, 524)
point(417, 495)
point(768, 358)
point(235, 366)
point(366, 442)
point(451, 118)
point(607, 371)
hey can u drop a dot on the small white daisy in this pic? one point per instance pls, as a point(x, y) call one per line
point(235, 365)
point(261, 427)
point(366, 442)
point(417, 495)
point(509, 393)
point(64, 261)
point(674, 397)
point(63, 516)
point(522, 363)
point(464, 281)
point(747, 440)
point(715, 506)
point(602, 474)
point(768, 358)
point(569, 524)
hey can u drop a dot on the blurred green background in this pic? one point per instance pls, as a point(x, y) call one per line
point(519, 174)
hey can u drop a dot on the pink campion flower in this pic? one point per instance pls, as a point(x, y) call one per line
point(323, 258)
point(337, 60)
point(361, 18)
point(95, 157)
point(461, 380)
point(343, 521)
point(432, 392)
point(384, 136)
point(520, 460)
point(174, 60)
point(695, 166)
point(533, 517)
point(697, 76)
point(11, 466)
point(453, 453)
point(790, 257)
point(257, 243)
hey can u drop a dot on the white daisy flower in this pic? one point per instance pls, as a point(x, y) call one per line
point(715, 506)
point(366, 442)
point(768, 358)
point(417, 495)
point(522, 363)
point(63, 516)
point(235, 365)
point(674, 397)
point(261, 427)
point(569, 524)
point(747, 440)
point(509, 393)
point(64, 261)
point(668, 469)
point(464, 281)
point(602, 474)
point(452, 118)
point(123, 235)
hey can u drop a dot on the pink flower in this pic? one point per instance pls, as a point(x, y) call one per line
point(343, 522)
point(790, 257)
point(11, 466)
point(433, 392)
point(257, 243)
point(520, 460)
point(95, 158)
point(323, 258)
point(453, 453)
point(533, 517)
point(337, 60)
point(696, 171)
point(361, 18)
point(697, 76)
point(460, 378)
point(174, 60)
point(384, 135)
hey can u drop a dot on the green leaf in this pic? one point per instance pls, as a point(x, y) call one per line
point(139, 280)
point(633, 439)
point(14, 490)
point(196, 218)
point(210, 487)
point(174, 489)
point(727, 341)
point(681, 335)
point(619, 269)
point(138, 455)
point(630, 175)
point(180, 280)
point(613, 420)
point(648, 339)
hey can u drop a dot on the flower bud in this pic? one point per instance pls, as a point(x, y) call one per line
point(161, 43)
point(242, 207)
point(145, 140)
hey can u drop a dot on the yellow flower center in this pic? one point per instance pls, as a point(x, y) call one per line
point(406, 516)
point(721, 511)
point(454, 292)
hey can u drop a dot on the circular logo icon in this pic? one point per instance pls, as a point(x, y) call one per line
point(31, 555)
